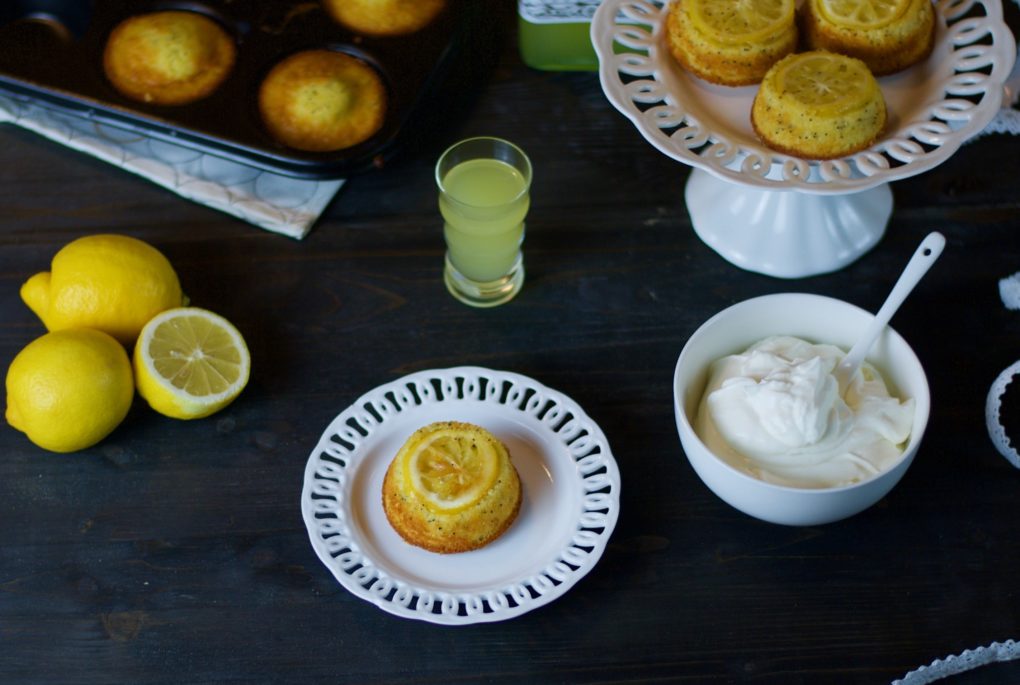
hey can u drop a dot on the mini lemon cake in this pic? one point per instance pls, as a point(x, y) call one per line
point(168, 58)
point(384, 17)
point(322, 100)
point(730, 42)
point(451, 488)
point(818, 105)
point(887, 35)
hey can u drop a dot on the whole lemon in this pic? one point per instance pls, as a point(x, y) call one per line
point(67, 390)
point(113, 283)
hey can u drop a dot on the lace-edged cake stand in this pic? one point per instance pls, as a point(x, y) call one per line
point(571, 498)
point(781, 215)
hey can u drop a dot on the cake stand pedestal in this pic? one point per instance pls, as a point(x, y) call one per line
point(785, 233)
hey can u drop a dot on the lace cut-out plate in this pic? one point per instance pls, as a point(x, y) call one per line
point(934, 106)
point(571, 498)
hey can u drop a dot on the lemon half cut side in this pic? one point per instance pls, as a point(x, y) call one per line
point(190, 363)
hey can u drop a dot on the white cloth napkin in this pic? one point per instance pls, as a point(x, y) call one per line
point(278, 203)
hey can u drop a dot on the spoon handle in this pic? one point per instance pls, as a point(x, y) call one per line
point(925, 255)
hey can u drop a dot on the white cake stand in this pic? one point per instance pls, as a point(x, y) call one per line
point(780, 215)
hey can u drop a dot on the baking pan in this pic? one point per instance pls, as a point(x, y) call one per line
point(51, 51)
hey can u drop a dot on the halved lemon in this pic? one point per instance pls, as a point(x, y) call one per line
point(741, 21)
point(451, 465)
point(825, 82)
point(862, 14)
point(190, 363)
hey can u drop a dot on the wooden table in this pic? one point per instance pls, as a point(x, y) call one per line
point(175, 552)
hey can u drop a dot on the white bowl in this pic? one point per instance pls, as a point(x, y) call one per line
point(816, 319)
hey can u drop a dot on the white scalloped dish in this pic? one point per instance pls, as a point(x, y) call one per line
point(934, 106)
point(571, 488)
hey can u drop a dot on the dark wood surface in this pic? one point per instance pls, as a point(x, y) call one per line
point(174, 552)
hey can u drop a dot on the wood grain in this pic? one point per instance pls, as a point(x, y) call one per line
point(175, 552)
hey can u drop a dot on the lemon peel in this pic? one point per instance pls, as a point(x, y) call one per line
point(109, 282)
point(67, 390)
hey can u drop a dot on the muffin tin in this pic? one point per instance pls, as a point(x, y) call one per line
point(51, 51)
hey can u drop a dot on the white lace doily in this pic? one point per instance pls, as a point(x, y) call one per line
point(993, 419)
point(1008, 118)
point(997, 652)
point(1009, 291)
point(277, 203)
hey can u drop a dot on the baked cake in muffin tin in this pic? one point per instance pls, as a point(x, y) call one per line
point(322, 100)
point(168, 58)
point(192, 73)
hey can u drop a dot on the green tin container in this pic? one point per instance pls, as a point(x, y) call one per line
point(555, 35)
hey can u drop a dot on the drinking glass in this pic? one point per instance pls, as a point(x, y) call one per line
point(483, 197)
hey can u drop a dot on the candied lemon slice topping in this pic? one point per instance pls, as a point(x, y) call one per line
point(453, 467)
point(741, 21)
point(826, 82)
point(862, 14)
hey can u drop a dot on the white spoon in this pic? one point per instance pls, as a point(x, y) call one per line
point(927, 252)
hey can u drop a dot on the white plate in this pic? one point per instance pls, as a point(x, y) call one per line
point(570, 505)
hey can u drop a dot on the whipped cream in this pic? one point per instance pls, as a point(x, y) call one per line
point(775, 412)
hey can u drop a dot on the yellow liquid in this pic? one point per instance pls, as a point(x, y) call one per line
point(484, 207)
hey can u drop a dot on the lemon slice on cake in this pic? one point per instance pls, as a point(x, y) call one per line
point(190, 363)
point(451, 488)
point(741, 21)
point(825, 83)
point(453, 467)
point(862, 14)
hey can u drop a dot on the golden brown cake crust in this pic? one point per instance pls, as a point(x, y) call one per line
point(798, 130)
point(904, 42)
point(727, 65)
point(384, 17)
point(461, 531)
point(168, 58)
point(322, 100)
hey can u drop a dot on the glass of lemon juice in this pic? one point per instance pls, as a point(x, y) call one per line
point(483, 197)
